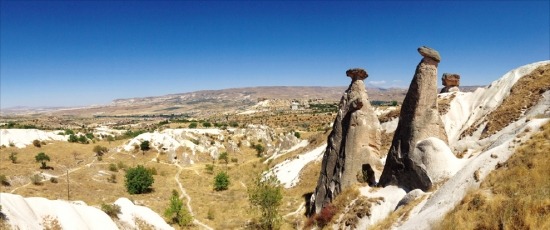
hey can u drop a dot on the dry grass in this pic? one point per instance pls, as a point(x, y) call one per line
point(514, 196)
point(390, 116)
point(443, 105)
point(399, 215)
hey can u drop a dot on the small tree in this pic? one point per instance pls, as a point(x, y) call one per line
point(72, 138)
point(259, 150)
point(100, 150)
point(176, 212)
point(223, 157)
point(138, 180)
point(266, 196)
point(42, 158)
point(221, 181)
point(13, 157)
point(144, 146)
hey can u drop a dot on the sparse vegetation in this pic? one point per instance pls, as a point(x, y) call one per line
point(224, 157)
point(113, 167)
point(176, 212)
point(138, 180)
point(111, 209)
point(221, 181)
point(513, 196)
point(42, 158)
point(13, 157)
point(36, 143)
point(259, 149)
point(36, 179)
point(265, 195)
point(4, 180)
point(100, 150)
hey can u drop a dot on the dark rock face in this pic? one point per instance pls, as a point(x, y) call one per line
point(353, 142)
point(418, 120)
point(451, 81)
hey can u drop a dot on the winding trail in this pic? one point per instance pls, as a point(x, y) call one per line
point(184, 194)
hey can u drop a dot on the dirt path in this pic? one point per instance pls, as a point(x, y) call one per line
point(184, 194)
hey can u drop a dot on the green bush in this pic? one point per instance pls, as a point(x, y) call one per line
point(69, 132)
point(259, 150)
point(193, 125)
point(207, 124)
point(111, 209)
point(266, 195)
point(297, 135)
point(223, 157)
point(144, 146)
point(72, 138)
point(221, 181)
point(13, 157)
point(90, 136)
point(176, 211)
point(138, 180)
point(83, 139)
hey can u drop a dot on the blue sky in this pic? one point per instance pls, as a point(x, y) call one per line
point(71, 53)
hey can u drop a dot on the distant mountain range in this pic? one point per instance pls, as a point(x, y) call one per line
point(214, 101)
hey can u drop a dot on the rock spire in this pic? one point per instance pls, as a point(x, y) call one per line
point(352, 147)
point(418, 120)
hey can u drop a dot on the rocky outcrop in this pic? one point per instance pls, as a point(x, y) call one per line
point(353, 144)
point(451, 81)
point(418, 120)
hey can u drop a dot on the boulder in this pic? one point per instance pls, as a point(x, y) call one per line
point(418, 120)
point(353, 143)
point(451, 81)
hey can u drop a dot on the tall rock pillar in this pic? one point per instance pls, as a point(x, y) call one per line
point(354, 143)
point(418, 120)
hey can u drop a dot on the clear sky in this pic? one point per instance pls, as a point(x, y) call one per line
point(71, 53)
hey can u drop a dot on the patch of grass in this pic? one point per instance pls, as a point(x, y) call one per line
point(513, 196)
point(390, 116)
point(401, 214)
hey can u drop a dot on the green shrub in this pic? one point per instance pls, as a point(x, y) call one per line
point(72, 138)
point(138, 180)
point(266, 195)
point(176, 212)
point(221, 181)
point(144, 146)
point(297, 135)
point(90, 136)
point(223, 157)
point(69, 132)
point(13, 157)
point(193, 125)
point(207, 124)
point(259, 150)
point(111, 209)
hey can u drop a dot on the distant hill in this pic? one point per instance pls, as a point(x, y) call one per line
point(215, 101)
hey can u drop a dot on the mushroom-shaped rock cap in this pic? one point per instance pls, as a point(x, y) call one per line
point(357, 74)
point(429, 52)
